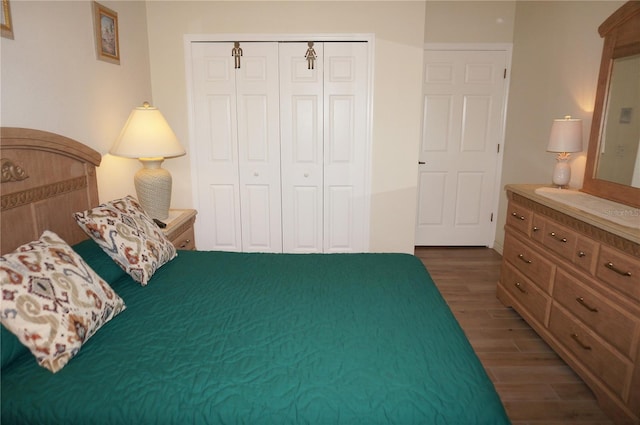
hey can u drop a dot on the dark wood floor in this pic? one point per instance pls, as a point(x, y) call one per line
point(535, 385)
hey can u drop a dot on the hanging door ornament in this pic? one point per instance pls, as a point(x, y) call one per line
point(310, 56)
point(236, 52)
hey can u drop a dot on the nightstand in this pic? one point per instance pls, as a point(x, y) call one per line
point(179, 229)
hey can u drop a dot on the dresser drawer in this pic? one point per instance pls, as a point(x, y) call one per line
point(186, 240)
point(529, 262)
point(586, 254)
point(538, 225)
point(603, 361)
point(619, 271)
point(532, 298)
point(613, 324)
point(560, 239)
point(519, 218)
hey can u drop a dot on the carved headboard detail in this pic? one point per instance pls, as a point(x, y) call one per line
point(12, 172)
point(46, 177)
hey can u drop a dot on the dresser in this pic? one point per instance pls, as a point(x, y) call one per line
point(575, 278)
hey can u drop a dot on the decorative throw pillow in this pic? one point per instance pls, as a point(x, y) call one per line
point(52, 300)
point(128, 236)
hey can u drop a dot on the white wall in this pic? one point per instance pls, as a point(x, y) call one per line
point(51, 79)
point(399, 35)
point(556, 59)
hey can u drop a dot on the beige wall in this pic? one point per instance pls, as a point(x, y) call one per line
point(399, 35)
point(556, 58)
point(52, 81)
point(469, 21)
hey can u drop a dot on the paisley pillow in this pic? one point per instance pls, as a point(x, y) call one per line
point(52, 300)
point(127, 234)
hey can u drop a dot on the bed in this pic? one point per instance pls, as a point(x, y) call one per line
point(226, 338)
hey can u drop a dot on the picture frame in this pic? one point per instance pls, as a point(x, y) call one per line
point(625, 115)
point(105, 23)
point(6, 27)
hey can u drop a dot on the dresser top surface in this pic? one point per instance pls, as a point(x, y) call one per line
point(623, 221)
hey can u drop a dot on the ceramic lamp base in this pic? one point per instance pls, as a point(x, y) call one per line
point(561, 173)
point(153, 188)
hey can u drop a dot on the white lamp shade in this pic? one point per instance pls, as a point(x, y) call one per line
point(566, 135)
point(147, 135)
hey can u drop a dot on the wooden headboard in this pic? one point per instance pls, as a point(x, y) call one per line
point(46, 177)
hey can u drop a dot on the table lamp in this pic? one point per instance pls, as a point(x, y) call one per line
point(566, 137)
point(148, 137)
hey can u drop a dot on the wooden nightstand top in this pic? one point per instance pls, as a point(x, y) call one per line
point(178, 217)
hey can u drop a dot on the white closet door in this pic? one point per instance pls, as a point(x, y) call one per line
point(259, 147)
point(301, 147)
point(345, 146)
point(216, 155)
point(324, 147)
point(237, 153)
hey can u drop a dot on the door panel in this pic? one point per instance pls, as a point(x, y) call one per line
point(301, 148)
point(223, 202)
point(216, 153)
point(464, 97)
point(259, 147)
point(345, 121)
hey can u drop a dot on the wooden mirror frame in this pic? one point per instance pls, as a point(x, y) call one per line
point(621, 32)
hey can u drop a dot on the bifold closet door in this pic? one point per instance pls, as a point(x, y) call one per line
point(323, 111)
point(236, 116)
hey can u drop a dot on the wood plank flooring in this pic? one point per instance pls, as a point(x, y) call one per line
point(535, 385)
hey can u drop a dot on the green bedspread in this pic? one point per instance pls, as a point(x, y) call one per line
point(226, 338)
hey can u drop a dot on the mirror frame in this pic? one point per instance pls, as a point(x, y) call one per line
point(621, 32)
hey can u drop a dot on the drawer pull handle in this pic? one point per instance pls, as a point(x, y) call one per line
point(583, 303)
point(610, 266)
point(554, 236)
point(521, 257)
point(185, 243)
point(520, 288)
point(581, 254)
point(516, 215)
point(536, 228)
point(584, 346)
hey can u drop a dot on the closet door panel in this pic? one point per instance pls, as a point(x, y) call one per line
point(216, 149)
point(259, 147)
point(223, 201)
point(301, 148)
point(345, 113)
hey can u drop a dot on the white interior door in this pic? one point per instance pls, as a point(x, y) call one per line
point(464, 101)
point(237, 146)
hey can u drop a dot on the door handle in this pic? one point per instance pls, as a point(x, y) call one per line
point(421, 162)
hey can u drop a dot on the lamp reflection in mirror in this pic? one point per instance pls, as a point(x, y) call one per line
point(566, 137)
point(148, 137)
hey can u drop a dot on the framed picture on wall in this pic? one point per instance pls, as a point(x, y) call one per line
point(5, 25)
point(105, 23)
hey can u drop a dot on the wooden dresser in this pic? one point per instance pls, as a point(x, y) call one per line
point(575, 278)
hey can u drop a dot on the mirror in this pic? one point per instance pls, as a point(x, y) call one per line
point(613, 158)
point(619, 156)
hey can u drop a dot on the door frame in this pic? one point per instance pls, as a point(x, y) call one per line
point(369, 38)
point(497, 185)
